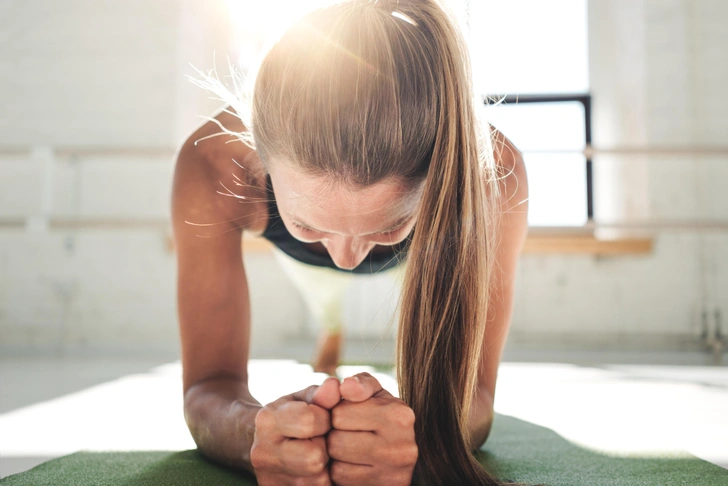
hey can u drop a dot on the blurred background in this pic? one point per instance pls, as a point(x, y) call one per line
point(619, 107)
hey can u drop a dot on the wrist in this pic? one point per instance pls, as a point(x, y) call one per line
point(243, 414)
point(220, 415)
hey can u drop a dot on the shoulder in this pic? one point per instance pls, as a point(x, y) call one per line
point(510, 173)
point(511, 211)
point(220, 177)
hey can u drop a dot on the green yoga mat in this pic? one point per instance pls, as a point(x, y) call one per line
point(516, 450)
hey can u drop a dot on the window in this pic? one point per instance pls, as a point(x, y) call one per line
point(536, 54)
point(552, 131)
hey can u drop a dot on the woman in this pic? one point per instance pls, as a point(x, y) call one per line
point(363, 139)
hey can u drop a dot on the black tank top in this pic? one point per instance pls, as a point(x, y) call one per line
point(277, 233)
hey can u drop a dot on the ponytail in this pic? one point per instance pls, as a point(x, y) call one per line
point(444, 302)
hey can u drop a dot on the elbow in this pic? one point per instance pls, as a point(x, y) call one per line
point(488, 428)
point(191, 409)
point(480, 435)
point(481, 421)
point(482, 412)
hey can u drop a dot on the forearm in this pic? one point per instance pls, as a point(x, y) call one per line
point(220, 414)
point(481, 417)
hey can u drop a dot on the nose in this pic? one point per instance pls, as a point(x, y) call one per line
point(347, 252)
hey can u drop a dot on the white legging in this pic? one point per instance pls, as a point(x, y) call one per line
point(323, 288)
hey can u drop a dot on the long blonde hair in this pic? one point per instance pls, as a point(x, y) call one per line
point(364, 91)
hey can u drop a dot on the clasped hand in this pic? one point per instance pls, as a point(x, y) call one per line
point(349, 433)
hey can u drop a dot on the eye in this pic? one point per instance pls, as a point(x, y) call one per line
point(309, 231)
point(303, 229)
point(396, 230)
point(391, 232)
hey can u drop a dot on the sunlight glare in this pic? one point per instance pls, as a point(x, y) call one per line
point(258, 23)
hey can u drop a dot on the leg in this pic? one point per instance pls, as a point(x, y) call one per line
point(328, 352)
point(322, 289)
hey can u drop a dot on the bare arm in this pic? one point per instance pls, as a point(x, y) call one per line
point(281, 443)
point(214, 311)
point(511, 230)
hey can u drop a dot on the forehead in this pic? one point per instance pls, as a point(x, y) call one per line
point(338, 207)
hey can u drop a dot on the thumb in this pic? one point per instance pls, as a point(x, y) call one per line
point(327, 395)
point(362, 387)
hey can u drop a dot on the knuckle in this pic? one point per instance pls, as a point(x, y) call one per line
point(306, 422)
point(404, 456)
point(401, 415)
point(315, 461)
point(333, 443)
point(322, 457)
point(265, 419)
point(307, 458)
point(337, 416)
point(399, 454)
point(259, 457)
point(413, 453)
point(338, 472)
point(323, 480)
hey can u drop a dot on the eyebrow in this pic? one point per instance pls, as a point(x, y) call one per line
point(396, 225)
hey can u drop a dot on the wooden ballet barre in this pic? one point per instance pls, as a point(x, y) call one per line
point(647, 226)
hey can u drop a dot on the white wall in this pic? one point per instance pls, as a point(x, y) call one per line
point(77, 75)
point(93, 104)
point(657, 72)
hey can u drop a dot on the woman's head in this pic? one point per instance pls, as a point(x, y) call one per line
point(346, 128)
point(364, 114)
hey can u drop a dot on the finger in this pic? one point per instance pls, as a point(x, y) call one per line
point(353, 416)
point(300, 420)
point(305, 395)
point(386, 416)
point(304, 457)
point(352, 447)
point(344, 474)
point(328, 394)
point(361, 387)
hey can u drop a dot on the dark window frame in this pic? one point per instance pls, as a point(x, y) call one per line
point(586, 101)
